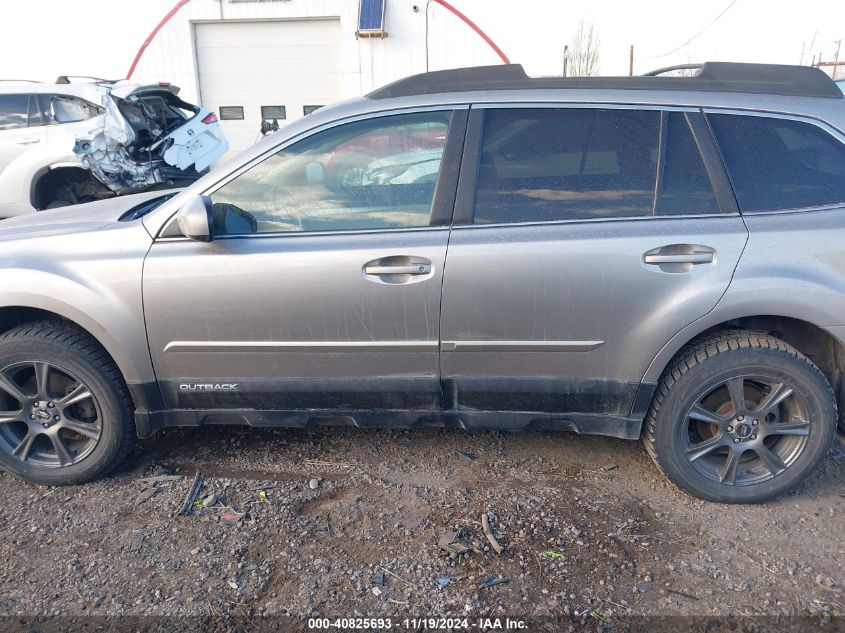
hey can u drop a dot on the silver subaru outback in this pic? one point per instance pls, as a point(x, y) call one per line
point(655, 257)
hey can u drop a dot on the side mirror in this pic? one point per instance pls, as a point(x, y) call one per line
point(194, 219)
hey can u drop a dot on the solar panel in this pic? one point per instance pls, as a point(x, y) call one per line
point(371, 16)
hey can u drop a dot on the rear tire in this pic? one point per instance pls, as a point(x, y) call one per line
point(66, 413)
point(740, 417)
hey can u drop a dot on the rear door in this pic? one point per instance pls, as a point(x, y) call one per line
point(21, 131)
point(321, 289)
point(583, 241)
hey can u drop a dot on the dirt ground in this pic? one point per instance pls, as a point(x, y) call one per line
point(591, 535)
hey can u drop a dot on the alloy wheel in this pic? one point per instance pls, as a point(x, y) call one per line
point(49, 418)
point(746, 430)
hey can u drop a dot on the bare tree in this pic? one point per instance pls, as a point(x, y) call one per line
point(584, 53)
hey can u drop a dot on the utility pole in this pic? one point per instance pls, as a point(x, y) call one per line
point(836, 61)
point(565, 57)
point(631, 62)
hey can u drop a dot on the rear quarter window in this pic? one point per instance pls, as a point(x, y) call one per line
point(66, 109)
point(776, 164)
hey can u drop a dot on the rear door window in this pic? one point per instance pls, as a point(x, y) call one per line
point(42, 104)
point(14, 111)
point(34, 118)
point(777, 164)
point(549, 164)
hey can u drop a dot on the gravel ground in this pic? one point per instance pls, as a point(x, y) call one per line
point(346, 522)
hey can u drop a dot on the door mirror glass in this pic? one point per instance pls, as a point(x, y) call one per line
point(194, 219)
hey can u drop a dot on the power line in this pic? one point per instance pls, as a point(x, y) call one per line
point(712, 22)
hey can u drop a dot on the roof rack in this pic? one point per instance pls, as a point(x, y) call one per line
point(69, 79)
point(668, 69)
point(793, 81)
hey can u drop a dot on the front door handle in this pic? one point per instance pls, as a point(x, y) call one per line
point(691, 258)
point(397, 269)
point(29, 141)
point(406, 269)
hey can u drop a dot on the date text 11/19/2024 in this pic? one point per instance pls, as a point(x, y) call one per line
point(418, 624)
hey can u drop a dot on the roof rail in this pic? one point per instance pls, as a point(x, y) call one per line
point(793, 81)
point(69, 79)
point(20, 81)
point(668, 69)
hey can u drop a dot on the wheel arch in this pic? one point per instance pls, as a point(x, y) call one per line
point(44, 170)
point(824, 348)
point(133, 376)
point(14, 316)
point(58, 172)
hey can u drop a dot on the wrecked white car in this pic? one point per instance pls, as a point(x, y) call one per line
point(67, 143)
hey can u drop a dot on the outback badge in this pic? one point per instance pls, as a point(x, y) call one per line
point(208, 386)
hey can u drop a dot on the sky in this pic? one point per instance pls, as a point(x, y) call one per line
point(41, 39)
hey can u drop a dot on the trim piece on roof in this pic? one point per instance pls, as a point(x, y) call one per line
point(792, 81)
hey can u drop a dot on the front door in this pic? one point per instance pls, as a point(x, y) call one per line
point(590, 238)
point(321, 289)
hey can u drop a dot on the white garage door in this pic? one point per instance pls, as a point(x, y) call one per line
point(276, 68)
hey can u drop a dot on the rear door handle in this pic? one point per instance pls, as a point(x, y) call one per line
point(29, 141)
point(679, 258)
point(685, 258)
point(406, 269)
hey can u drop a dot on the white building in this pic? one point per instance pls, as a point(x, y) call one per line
point(277, 59)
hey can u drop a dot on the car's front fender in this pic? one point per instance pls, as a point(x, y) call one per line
point(92, 278)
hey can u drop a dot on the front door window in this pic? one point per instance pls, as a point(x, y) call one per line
point(371, 174)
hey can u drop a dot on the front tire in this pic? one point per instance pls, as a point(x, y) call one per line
point(740, 417)
point(65, 412)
